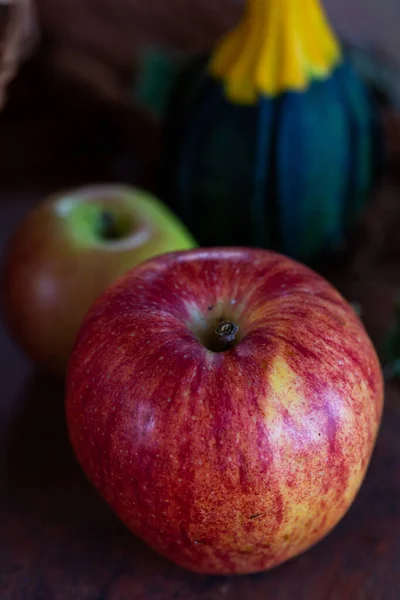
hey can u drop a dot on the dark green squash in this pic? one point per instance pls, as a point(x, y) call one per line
point(289, 167)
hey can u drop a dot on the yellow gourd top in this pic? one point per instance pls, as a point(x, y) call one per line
point(278, 46)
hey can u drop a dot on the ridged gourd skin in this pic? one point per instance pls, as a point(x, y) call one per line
point(288, 166)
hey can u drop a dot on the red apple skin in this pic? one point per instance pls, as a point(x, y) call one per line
point(53, 273)
point(230, 462)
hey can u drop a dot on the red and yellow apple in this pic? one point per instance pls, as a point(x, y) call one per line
point(68, 250)
point(225, 403)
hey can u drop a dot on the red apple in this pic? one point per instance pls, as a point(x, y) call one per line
point(225, 403)
point(67, 251)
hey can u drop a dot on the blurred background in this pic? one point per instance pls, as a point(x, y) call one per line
point(109, 27)
point(371, 21)
point(68, 69)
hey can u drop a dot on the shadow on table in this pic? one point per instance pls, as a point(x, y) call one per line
point(62, 541)
point(38, 452)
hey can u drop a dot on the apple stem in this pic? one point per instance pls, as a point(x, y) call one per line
point(108, 226)
point(224, 336)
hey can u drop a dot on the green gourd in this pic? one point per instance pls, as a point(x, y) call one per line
point(272, 139)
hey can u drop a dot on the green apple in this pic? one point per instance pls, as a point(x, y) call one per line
point(70, 248)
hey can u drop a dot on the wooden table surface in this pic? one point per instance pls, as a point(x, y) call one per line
point(59, 541)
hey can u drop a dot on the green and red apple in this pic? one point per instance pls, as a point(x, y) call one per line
point(68, 250)
point(226, 404)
